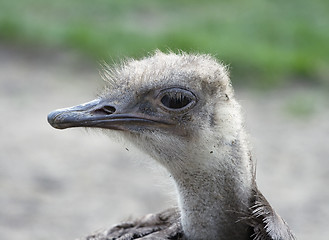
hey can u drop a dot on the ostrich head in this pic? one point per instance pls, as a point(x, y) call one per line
point(173, 107)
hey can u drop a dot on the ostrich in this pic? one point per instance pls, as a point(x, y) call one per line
point(180, 109)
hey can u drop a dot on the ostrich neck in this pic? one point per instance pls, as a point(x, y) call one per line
point(213, 200)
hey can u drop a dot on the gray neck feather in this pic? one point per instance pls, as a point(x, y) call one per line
point(214, 199)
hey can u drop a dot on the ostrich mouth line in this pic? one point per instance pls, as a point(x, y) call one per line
point(63, 120)
point(92, 114)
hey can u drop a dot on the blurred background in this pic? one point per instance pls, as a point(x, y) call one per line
point(65, 184)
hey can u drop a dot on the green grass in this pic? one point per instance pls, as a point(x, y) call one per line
point(265, 42)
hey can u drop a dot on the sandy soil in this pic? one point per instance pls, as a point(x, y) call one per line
point(65, 184)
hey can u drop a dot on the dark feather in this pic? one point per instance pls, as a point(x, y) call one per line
point(265, 224)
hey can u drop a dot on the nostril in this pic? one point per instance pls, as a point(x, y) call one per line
point(109, 109)
point(106, 110)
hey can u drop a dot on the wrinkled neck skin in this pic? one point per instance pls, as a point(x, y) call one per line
point(214, 184)
point(214, 177)
point(213, 203)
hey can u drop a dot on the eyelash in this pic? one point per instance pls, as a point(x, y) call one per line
point(177, 99)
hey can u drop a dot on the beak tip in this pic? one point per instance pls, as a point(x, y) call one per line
point(71, 116)
point(51, 118)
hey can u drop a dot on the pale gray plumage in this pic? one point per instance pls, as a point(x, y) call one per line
point(180, 109)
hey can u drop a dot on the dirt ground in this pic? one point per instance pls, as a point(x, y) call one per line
point(65, 184)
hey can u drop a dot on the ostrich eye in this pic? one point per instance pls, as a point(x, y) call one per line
point(177, 99)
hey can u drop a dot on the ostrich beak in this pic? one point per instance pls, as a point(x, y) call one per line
point(98, 114)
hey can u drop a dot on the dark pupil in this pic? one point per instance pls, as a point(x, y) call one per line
point(175, 102)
